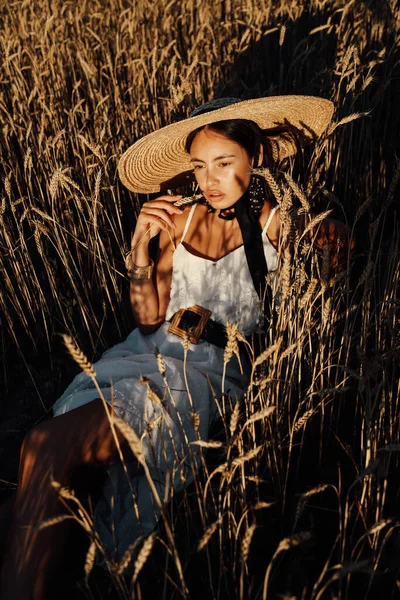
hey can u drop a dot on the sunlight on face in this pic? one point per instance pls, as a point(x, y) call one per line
point(221, 167)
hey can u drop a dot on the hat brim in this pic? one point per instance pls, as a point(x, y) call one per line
point(158, 159)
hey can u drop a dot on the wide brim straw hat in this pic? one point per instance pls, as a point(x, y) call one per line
point(159, 161)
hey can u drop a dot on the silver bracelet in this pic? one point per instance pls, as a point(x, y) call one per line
point(138, 273)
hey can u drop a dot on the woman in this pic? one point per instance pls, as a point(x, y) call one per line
point(166, 380)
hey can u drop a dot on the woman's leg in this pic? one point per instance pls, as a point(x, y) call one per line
point(51, 451)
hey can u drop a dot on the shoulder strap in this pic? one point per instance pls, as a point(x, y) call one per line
point(190, 215)
point(270, 216)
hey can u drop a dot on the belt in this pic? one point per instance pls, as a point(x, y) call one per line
point(195, 323)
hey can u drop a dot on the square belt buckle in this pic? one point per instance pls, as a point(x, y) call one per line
point(192, 331)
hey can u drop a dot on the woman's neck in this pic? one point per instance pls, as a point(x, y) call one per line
point(227, 214)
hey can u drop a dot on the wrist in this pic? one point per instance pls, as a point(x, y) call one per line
point(139, 272)
point(140, 256)
point(140, 240)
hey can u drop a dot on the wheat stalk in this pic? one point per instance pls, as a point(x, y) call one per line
point(207, 536)
point(55, 521)
point(207, 444)
point(131, 437)
point(89, 560)
point(79, 356)
point(262, 414)
point(246, 542)
point(299, 424)
point(234, 419)
point(65, 219)
point(143, 555)
point(283, 546)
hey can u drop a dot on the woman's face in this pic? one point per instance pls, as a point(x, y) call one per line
point(221, 167)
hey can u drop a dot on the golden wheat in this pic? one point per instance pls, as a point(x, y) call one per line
point(142, 556)
point(80, 82)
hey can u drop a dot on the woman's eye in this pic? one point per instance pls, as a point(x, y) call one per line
point(196, 167)
point(224, 164)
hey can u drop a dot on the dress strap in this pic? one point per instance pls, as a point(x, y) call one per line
point(268, 223)
point(190, 215)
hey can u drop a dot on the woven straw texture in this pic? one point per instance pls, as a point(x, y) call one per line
point(160, 157)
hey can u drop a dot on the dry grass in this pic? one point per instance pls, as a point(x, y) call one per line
point(312, 450)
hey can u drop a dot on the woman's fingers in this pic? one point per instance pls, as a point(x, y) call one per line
point(161, 208)
point(155, 215)
point(166, 203)
point(161, 223)
point(160, 213)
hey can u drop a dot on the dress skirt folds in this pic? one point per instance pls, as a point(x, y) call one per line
point(182, 413)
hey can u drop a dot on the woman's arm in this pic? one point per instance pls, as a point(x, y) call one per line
point(331, 240)
point(149, 297)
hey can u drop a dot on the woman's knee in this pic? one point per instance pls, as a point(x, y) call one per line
point(81, 436)
point(86, 432)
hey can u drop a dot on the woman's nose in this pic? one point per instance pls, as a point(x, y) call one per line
point(211, 177)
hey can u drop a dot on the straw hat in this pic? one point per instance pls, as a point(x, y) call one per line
point(155, 161)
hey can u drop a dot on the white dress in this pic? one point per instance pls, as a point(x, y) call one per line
point(167, 428)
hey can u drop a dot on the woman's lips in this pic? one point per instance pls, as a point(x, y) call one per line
point(214, 196)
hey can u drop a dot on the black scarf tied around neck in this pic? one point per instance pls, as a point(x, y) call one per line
point(253, 244)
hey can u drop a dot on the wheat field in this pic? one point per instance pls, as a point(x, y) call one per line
point(297, 496)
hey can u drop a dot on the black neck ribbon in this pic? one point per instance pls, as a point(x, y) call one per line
point(253, 244)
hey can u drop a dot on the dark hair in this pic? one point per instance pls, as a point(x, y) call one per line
point(250, 136)
point(244, 132)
